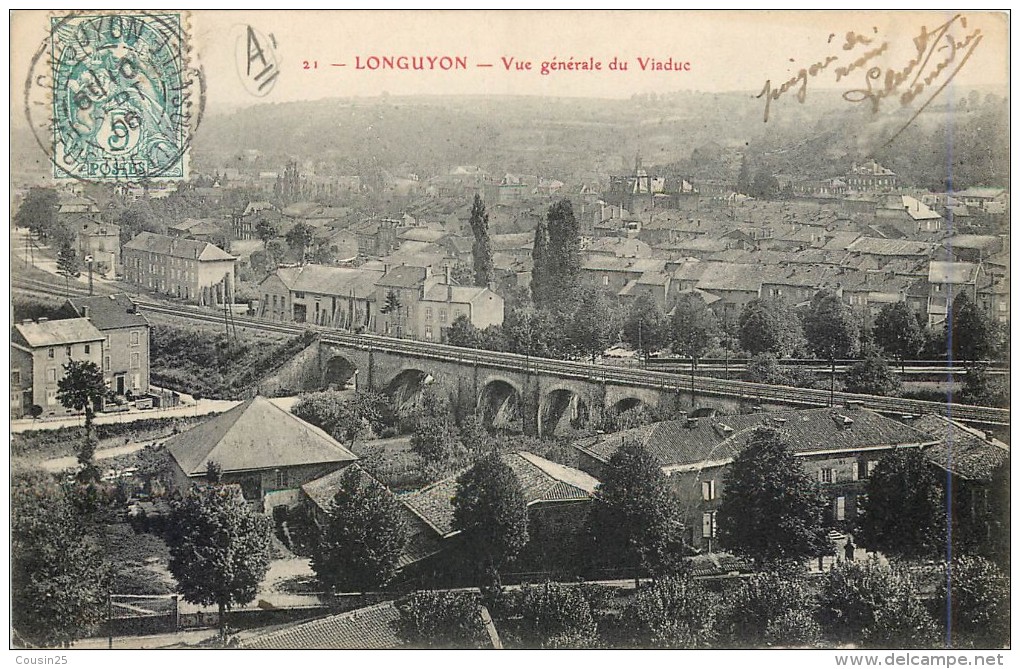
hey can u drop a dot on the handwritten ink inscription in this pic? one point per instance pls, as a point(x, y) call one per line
point(939, 54)
point(257, 65)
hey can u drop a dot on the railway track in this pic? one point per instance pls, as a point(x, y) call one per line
point(657, 380)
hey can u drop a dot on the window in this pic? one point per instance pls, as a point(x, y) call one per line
point(428, 313)
point(861, 503)
point(49, 353)
point(106, 363)
point(841, 508)
point(299, 295)
point(15, 377)
point(708, 527)
point(605, 280)
point(136, 381)
point(708, 490)
point(88, 349)
point(871, 466)
point(442, 315)
point(135, 338)
point(854, 471)
point(135, 361)
point(51, 374)
point(825, 475)
point(67, 351)
point(282, 480)
point(428, 333)
point(51, 396)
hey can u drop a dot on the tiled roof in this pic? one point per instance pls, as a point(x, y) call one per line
point(403, 276)
point(542, 481)
point(422, 235)
point(960, 450)
point(254, 435)
point(109, 312)
point(727, 276)
point(58, 333)
point(177, 248)
point(952, 272)
point(323, 280)
point(676, 445)
point(442, 292)
point(370, 628)
point(890, 247)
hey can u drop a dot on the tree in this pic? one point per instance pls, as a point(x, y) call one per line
point(594, 326)
point(462, 332)
point(898, 331)
point(557, 256)
point(345, 418)
point(980, 387)
point(694, 327)
point(831, 328)
point(435, 436)
point(81, 387)
point(299, 239)
point(266, 231)
point(434, 619)
point(540, 274)
point(491, 511)
point(633, 519)
point(832, 331)
point(68, 265)
point(765, 185)
point(871, 376)
point(772, 510)
point(769, 325)
point(972, 334)
point(645, 326)
point(363, 537)
point(60, 583)
point(276, 252)
point(481, 251)
point(976, 602)
point(38, 212)
point(672, 612)
point(219, 547)
point(744, 177)
point(905, 512)
point(867, 604)
point(393, 306)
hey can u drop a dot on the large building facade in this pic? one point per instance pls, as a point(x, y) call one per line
point(194, 271)
point(39, 352)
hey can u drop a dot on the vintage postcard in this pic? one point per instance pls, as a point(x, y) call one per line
point(511, 330)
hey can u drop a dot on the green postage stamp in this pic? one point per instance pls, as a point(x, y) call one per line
point(120, 97)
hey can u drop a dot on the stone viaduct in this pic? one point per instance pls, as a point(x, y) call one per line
point(520, 398)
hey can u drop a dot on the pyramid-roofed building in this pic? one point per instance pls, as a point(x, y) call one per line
point(267, 450)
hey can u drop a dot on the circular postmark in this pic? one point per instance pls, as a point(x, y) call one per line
point(109, 97)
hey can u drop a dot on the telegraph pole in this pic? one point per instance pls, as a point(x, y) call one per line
point(89, 261)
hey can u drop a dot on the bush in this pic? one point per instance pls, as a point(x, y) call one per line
point(673, 612)
point(876, 606)
point(552, 615)
point(796, 628)
point(756, 606)
point(979, 605)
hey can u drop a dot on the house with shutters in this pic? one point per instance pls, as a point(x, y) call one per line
point(839, 447)
point(126, 345)
point(39, 351)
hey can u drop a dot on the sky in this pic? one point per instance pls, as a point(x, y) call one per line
point(725, 51)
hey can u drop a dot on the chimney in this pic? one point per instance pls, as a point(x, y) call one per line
point(85, 311)
point(448, 281)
